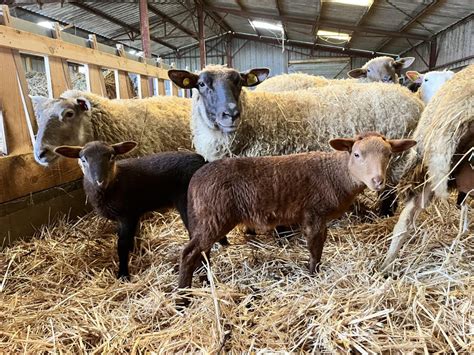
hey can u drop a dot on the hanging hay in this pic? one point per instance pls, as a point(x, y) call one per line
point(59, 292)
point(37, 83)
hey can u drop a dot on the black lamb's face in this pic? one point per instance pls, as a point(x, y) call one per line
point(219, 89)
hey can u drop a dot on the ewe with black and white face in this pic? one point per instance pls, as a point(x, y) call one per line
point(218, 93)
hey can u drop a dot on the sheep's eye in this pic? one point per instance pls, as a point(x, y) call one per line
point(368, 70)
point(201, 84)
point(426, 79)
point(69, 114)
point(84, 159)
point(356, 155)
point(112, 157)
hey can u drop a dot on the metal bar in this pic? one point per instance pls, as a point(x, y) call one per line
point(120, 23)
point(172, 21)
point(414, 19)
point(433, 54)
point(320, 47)
point(306, 21)
point(228, 49)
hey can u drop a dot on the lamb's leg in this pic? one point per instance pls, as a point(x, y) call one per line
point(461, 197)
point(315, 232)
point(388, 202)
point(182, 207)
point(405, 224)
point(126, 234)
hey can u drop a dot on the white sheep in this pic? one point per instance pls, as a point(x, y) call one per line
point(380, 69)
point(444, 155)
point(429, 82)
point(158, 123)
point(228, 121)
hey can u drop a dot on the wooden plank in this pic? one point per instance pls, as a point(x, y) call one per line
point(28, 105)
point(59, 75)
point(41, 45)
point(145, 86)
point(174, 89)
point(96, 80)
point(30, 177)
point(16, 128)
point(161, 87)
point(124, 91)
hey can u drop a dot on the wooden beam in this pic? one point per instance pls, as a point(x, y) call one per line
point(59, 75)
point(125, 25)
point(145, 35)
point(414, 19)
point(280, 13)
point(228, 50)
point(173, 22)
point(216, 17)
point(41, 45)
point(307, 21)
point(433, 54)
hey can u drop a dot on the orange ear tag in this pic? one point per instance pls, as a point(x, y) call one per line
point(186, 82)
point(251, 79)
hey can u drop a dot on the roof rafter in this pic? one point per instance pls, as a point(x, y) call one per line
point(360, 21)
point(414, 19)
point(280, 13)
point(120, 23)
point(307, 21)
point(171, 20)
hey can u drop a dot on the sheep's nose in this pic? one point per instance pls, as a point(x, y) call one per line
point(232, 115)
point(378, 181)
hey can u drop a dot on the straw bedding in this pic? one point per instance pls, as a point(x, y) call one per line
point(59, 292)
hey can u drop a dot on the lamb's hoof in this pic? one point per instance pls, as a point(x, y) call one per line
point(122, 276)
point(183, 301)
point(224, 242)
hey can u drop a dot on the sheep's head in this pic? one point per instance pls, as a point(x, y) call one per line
point(219, 89)
point(60, 121)
point(370, 155)
point(430, 82)
point(383, 69)
point(97, 159)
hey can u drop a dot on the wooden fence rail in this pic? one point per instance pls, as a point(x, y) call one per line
point(19, 174)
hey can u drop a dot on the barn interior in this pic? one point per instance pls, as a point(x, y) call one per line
point(58, 288)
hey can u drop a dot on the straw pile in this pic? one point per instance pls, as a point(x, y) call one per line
point(37, 83)
point(59, 292)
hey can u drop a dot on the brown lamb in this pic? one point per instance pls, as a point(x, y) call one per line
point(262, 192)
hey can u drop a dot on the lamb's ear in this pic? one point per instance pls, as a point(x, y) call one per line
point(343, 144)
point(403, 63)
point(414, 76)
point(38, 100)
point(68, 151)
point(253, 77)
point(83, 103)
point(183, 78)
point(358, 73)
point(400, 145)
point(124, 147)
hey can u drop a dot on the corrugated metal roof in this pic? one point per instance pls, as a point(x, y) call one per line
point(386, 15)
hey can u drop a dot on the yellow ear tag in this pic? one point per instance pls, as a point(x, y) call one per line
point(251, 79)
point(186, 82)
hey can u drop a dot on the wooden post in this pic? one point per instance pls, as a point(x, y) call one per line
point(95, 77)
point(123, 90)
point(145, 35)
point(201, 34)
point(433, 54)
point(174, 89)
point(228, 49)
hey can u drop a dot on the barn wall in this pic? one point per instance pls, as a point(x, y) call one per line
point(453, 44)
point(249, 54)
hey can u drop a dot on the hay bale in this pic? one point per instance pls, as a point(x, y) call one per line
point(59, 292)
point(37, 83)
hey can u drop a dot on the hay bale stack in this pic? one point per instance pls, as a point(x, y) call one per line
point(78, 81)
point(58, 293)
point(109, 79)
